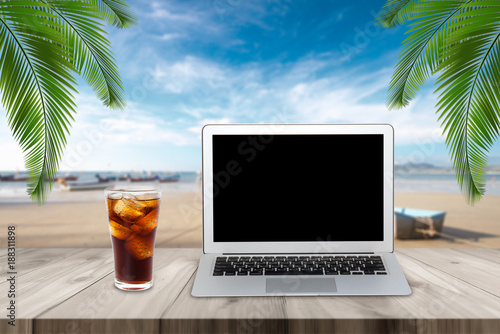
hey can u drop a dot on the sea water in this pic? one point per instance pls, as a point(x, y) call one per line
point(439, 183)
point(15, 191)
point(189, 181)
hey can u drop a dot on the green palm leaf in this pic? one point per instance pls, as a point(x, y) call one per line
point(421, 50)
point(36, 88)
point(460, 40)
point(115, 12)
point(395, 13)
point(42, 44)
point(91, 48)
point(469, 101)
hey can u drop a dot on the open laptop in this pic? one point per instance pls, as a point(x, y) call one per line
point(291, 209)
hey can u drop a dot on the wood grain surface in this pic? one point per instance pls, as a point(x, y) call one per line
point(71, 291)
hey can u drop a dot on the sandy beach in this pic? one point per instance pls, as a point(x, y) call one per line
point(84, 223)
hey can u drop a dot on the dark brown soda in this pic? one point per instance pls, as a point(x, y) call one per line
point(127, 268)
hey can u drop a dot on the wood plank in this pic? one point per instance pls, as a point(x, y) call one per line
point(230, 325)
point(440, 295)
point(189, 307)
point(360, 315)
point(47, 286)
point(436, 295)
point(102, 300)
point(395, 326)
point(97, 308)
point(492, 254)
point(477, 271)
point(28, 260)
point(328, 326)
point(345, 314)
point(97, 326)
point(459, 326)
point(23, 326)
point(3, 256)
point(71, 290)
point(223, 315)
point(344, 307)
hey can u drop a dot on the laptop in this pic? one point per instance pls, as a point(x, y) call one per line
point(298, 209)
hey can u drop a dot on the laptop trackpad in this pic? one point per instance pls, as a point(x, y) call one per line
point(300, 285)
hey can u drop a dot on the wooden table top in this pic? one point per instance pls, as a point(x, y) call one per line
point(71, 290)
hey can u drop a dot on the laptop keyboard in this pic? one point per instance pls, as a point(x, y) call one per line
point(298, 265)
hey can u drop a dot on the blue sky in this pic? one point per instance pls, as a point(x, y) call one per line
point(189, 63)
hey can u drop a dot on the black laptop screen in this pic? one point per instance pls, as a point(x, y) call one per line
point(298, 188)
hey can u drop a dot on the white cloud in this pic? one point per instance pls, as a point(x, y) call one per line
point(134, 125)
point(190, 74)
point(299, 92)
point(161, 10)
point(170, 36)
point(209, 92)
point(182, 18)
point(201, 123)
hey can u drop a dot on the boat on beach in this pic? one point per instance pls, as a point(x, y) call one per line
point(105, 178)
point(82, 186)
point(15, 178)
point(143, 179)
point(170, 178)
point(418, 224)
point(6, 177)
point(19, 178)
point(68, 177)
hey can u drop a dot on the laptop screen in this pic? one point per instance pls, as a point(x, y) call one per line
point(298, 188)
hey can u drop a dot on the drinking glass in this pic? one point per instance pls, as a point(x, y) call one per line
point(133, 219)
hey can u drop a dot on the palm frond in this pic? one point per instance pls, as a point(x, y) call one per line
point(421, 50)
point(469, 100)
point(42, 43)
point(36, 86)
point(116, 12)
point(91, 49)
point(395, 13)
point(460, 40)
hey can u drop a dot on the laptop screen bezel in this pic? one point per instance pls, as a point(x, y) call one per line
point(316, 247)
